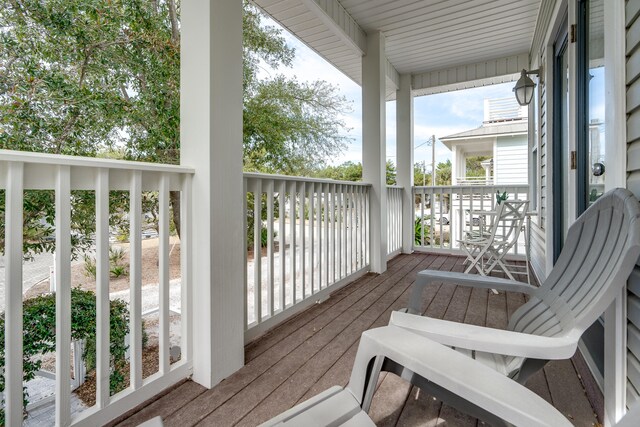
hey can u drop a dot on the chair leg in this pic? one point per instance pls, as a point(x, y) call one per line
point(372, 383)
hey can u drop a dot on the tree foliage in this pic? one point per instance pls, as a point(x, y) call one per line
point(350, 171)
point(101, 77)
point(474, 166)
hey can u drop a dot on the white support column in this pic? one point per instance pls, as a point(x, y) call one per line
point(615, 318)
point(615, 359)
point(404, 156)
point(211, 142)
point(374, 145)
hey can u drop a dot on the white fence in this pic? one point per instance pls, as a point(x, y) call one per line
point(306, 237)
point(394, 220)
point(20, 172)
point(442, 213)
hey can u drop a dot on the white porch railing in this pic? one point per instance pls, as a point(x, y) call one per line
point(394, 220)
point(20, 172)
point(307, 237)
point(442, 213)
point(473, 180)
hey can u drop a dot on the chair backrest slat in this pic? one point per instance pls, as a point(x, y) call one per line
point(599, 253)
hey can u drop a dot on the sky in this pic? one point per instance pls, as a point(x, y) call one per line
point(439, 115)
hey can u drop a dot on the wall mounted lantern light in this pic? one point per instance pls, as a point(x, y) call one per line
point(524, 87)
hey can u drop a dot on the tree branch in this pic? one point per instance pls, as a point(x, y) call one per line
point(173, 17)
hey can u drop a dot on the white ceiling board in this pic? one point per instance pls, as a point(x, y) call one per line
point(421, 35)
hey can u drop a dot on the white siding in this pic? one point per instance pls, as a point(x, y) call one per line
point(511, 160)
point(633, 183)
point(538, 233)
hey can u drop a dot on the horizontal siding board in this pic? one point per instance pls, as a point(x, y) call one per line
point(633, 95)
point(633, 371)
point(633, 68)
point(633, 157)
point(511, 159)
point(634, 282)
point(632, 9)
point(633, 126)
point(633, 183)
point(633, 311)
point(633, 340)
point(633, 395)
point(633, 36)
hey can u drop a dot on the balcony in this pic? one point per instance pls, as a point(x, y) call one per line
point(308, 293)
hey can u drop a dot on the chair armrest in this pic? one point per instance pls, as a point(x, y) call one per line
point(480, 338)
point(426, 277)
point(457, 373)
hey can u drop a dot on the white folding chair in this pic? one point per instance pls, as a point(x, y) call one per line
point(486, 251)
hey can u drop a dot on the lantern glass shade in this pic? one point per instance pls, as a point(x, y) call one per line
point(524, 89)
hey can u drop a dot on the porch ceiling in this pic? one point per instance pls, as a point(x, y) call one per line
point(422, 36)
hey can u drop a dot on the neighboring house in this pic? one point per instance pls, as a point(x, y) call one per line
point(502, 137)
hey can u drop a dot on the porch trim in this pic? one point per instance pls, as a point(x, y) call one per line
point(499, 70)
point(339, 22)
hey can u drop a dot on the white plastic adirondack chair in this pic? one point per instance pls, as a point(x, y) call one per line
point(601, 249)
point(421, 359)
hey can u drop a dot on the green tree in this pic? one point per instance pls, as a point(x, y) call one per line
point(419, 176)
point(443, 173)
point(474, 166)
point(350, 171)
point(391, 173)
point(93, 77)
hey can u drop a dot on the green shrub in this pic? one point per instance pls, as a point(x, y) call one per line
point(420, 225)
point(39, 334)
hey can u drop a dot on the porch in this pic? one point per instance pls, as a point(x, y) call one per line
point(315, 350)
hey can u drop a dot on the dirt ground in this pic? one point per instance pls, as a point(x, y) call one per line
point(80, 278)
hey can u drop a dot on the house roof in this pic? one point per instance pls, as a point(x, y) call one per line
point(442, 45)
point(487, 130)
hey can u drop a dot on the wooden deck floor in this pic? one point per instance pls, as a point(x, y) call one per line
point(316, 349)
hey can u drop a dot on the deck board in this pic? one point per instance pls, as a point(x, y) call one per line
point(315, 350)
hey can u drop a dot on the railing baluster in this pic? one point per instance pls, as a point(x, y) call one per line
point(13, 294)
point(281, 228)
point(367, 235)
point(348, 240)
point(270, 259)
point(359, 228)
point(245, 238)
point(327, 224)
point(320, 215)
point(186, 234)
point(135, 279)
point(340, 252)
point(257, 250)
point(334, 227)
point(63, 295)
point(311, 238)
point(163, 267)
point(303, 241)
point(292, 238)
point(102, 288)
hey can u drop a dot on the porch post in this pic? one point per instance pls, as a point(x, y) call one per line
point(211, 143)
point(374, 145)
point(404, 156)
